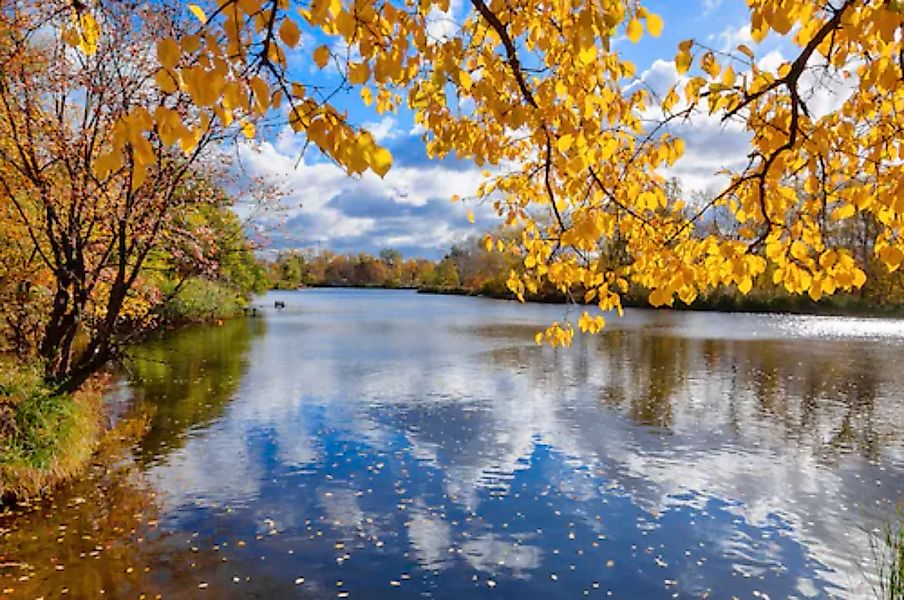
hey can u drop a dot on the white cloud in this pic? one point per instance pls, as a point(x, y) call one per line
point(384, 129)
point(730, 37)
point(410, 207)
point(441, 25)
point(771, 61)
point(661, 76)
point(710, 5)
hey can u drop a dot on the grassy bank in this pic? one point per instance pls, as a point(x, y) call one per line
point(45, 438)
point(887, 544)
point(839, 305)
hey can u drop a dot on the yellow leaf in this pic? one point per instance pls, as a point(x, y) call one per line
point(261, 94)
point(634, 30)
point(381, 161)
point(168, 52)
point(248, 128)
point(471, 218)
point(683, 58)
point(190, 44)
point(107, 163)
point(587, 55)
point(90, 33)
point(844, 211)
point(358, 73)
point(669, 100)
point(464, 80)
point(321, 56)
point(891, 256)
point(71, 36)
point(139, 175)
point(746, 50)
point(165, 81)
point(654, 24)
point(660, 297)
point(758, 33)
point(815, 291)
point(198, 12)
point(289, 32)
point(565, 142)
point(728, 77)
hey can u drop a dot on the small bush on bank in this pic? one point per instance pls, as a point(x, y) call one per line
point(200, 300)
point(45, 438)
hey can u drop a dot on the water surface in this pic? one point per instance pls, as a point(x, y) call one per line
point(372, 444)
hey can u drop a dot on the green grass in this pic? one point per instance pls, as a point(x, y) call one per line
point(45, 438)
point(887, 545)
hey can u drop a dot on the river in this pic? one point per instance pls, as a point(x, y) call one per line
point(384, 444)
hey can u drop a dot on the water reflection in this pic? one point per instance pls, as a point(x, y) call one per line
point(382, 443)
point(186, 379)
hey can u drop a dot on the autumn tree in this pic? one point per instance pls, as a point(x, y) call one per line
point(583, 147)
point(95, 164)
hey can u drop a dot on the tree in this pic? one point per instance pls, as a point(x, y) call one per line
point(86, 171)
point(549, 96)
point(392, 260)
point(289, 270)
point(573, 142)
point(446, 274)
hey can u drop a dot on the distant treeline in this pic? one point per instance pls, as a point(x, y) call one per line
point(466, 266)
point(469, 269)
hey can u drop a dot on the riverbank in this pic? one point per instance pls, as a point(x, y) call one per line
point(341, 286)
point(838, 306)
point(48, 438)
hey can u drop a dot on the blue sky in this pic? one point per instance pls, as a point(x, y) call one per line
point(410, 209)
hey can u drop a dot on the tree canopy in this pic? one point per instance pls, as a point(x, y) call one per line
point(574, 144)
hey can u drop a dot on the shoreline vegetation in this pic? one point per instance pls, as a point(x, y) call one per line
point(467, 269)
point(840, 306)
point(49, 435)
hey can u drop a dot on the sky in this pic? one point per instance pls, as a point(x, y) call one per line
point(411, 209)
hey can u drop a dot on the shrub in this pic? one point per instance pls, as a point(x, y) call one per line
point(201, 300)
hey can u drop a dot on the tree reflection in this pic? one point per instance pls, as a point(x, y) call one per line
point(827, 397)
point(187, 379)
point(811, 394)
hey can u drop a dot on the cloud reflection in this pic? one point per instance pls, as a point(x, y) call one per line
point(774, 431)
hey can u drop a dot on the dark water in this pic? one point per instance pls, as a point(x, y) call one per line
point(375, 444)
